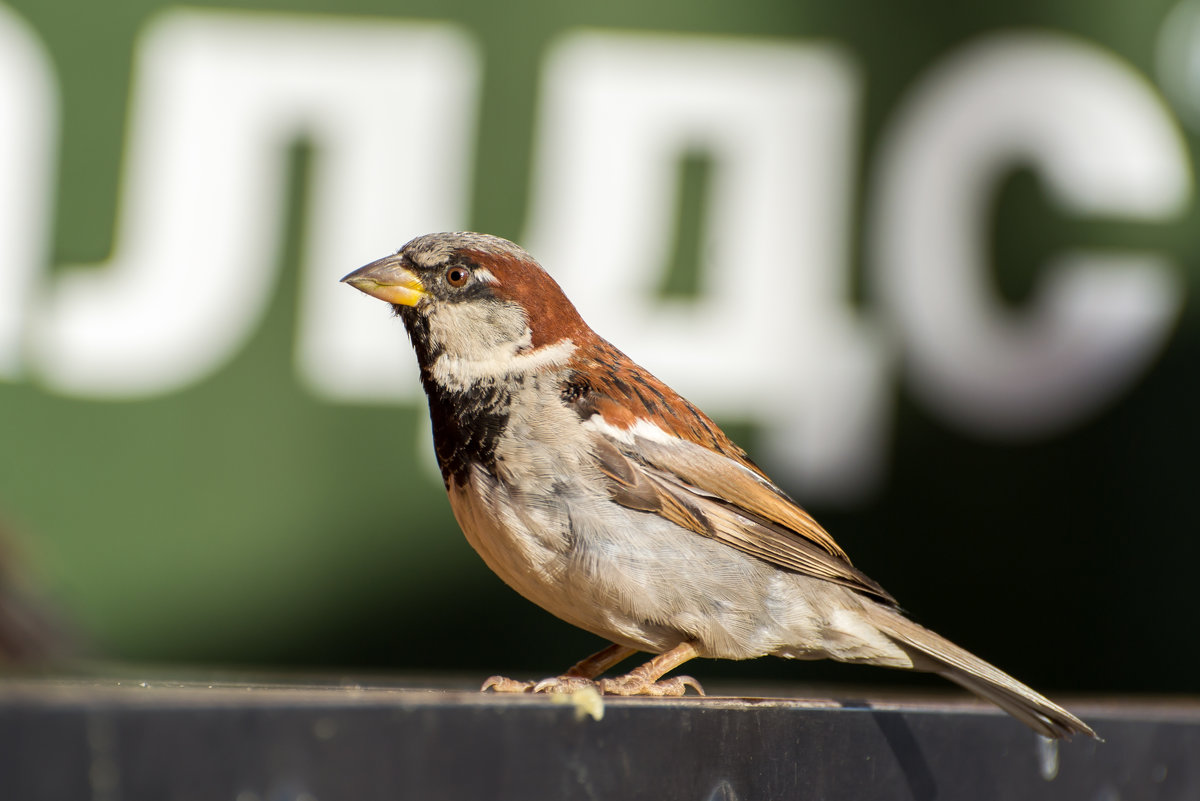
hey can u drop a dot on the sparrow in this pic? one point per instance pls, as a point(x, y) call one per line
point(598, 493)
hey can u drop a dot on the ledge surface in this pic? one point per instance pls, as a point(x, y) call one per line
point(287, 741)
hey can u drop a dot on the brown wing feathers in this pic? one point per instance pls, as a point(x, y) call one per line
point(703, 482)
point(622, 392)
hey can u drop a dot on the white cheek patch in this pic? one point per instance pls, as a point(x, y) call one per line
point(474, 331)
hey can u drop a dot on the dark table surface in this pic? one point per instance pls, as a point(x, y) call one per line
point(135, 735)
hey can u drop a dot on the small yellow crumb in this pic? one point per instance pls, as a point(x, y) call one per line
point(586, 701)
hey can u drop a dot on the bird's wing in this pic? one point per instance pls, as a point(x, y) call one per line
point(716, 496)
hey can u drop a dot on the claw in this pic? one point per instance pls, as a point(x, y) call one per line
point(563, 684)
point(684, 682)
point(502, 684)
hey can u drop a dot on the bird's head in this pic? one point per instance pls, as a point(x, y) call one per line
point(472, 299)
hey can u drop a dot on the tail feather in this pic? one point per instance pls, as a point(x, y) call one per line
point(933, 653)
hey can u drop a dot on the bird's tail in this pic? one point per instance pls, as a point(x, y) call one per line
point(933, 653)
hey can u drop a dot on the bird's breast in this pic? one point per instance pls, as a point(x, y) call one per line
point(528, 545)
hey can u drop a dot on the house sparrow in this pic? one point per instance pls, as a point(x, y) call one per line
point(598, 493)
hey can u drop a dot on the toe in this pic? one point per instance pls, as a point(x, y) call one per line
point(672, 687)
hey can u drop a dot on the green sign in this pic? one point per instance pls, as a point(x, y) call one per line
point(931, 265)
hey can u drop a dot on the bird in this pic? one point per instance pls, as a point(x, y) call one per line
point(600, 494)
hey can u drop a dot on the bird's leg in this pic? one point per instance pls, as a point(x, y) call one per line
point(576, 677)
point(644, 680)
point(602, 660)
point(583, 672)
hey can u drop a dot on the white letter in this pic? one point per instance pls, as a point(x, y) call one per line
point(1104, 145)
point(28, 136)
point(217, 99)
point(772, 339)
point(1179, 60)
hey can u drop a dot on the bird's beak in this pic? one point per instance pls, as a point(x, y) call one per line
point(389, 281)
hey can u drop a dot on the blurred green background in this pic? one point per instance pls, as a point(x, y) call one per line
point(244, 519)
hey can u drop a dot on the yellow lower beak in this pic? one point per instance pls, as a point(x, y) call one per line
point(387, 280)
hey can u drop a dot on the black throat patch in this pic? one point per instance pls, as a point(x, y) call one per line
point(467, 423)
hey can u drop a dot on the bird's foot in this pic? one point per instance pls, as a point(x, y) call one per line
point(634, 684)
point(629, 684)
point(555, 684)
point(503, 684)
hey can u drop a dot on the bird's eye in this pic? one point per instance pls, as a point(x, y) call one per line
point(457, 276)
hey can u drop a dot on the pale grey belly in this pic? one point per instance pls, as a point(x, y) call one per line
point(635, 578)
